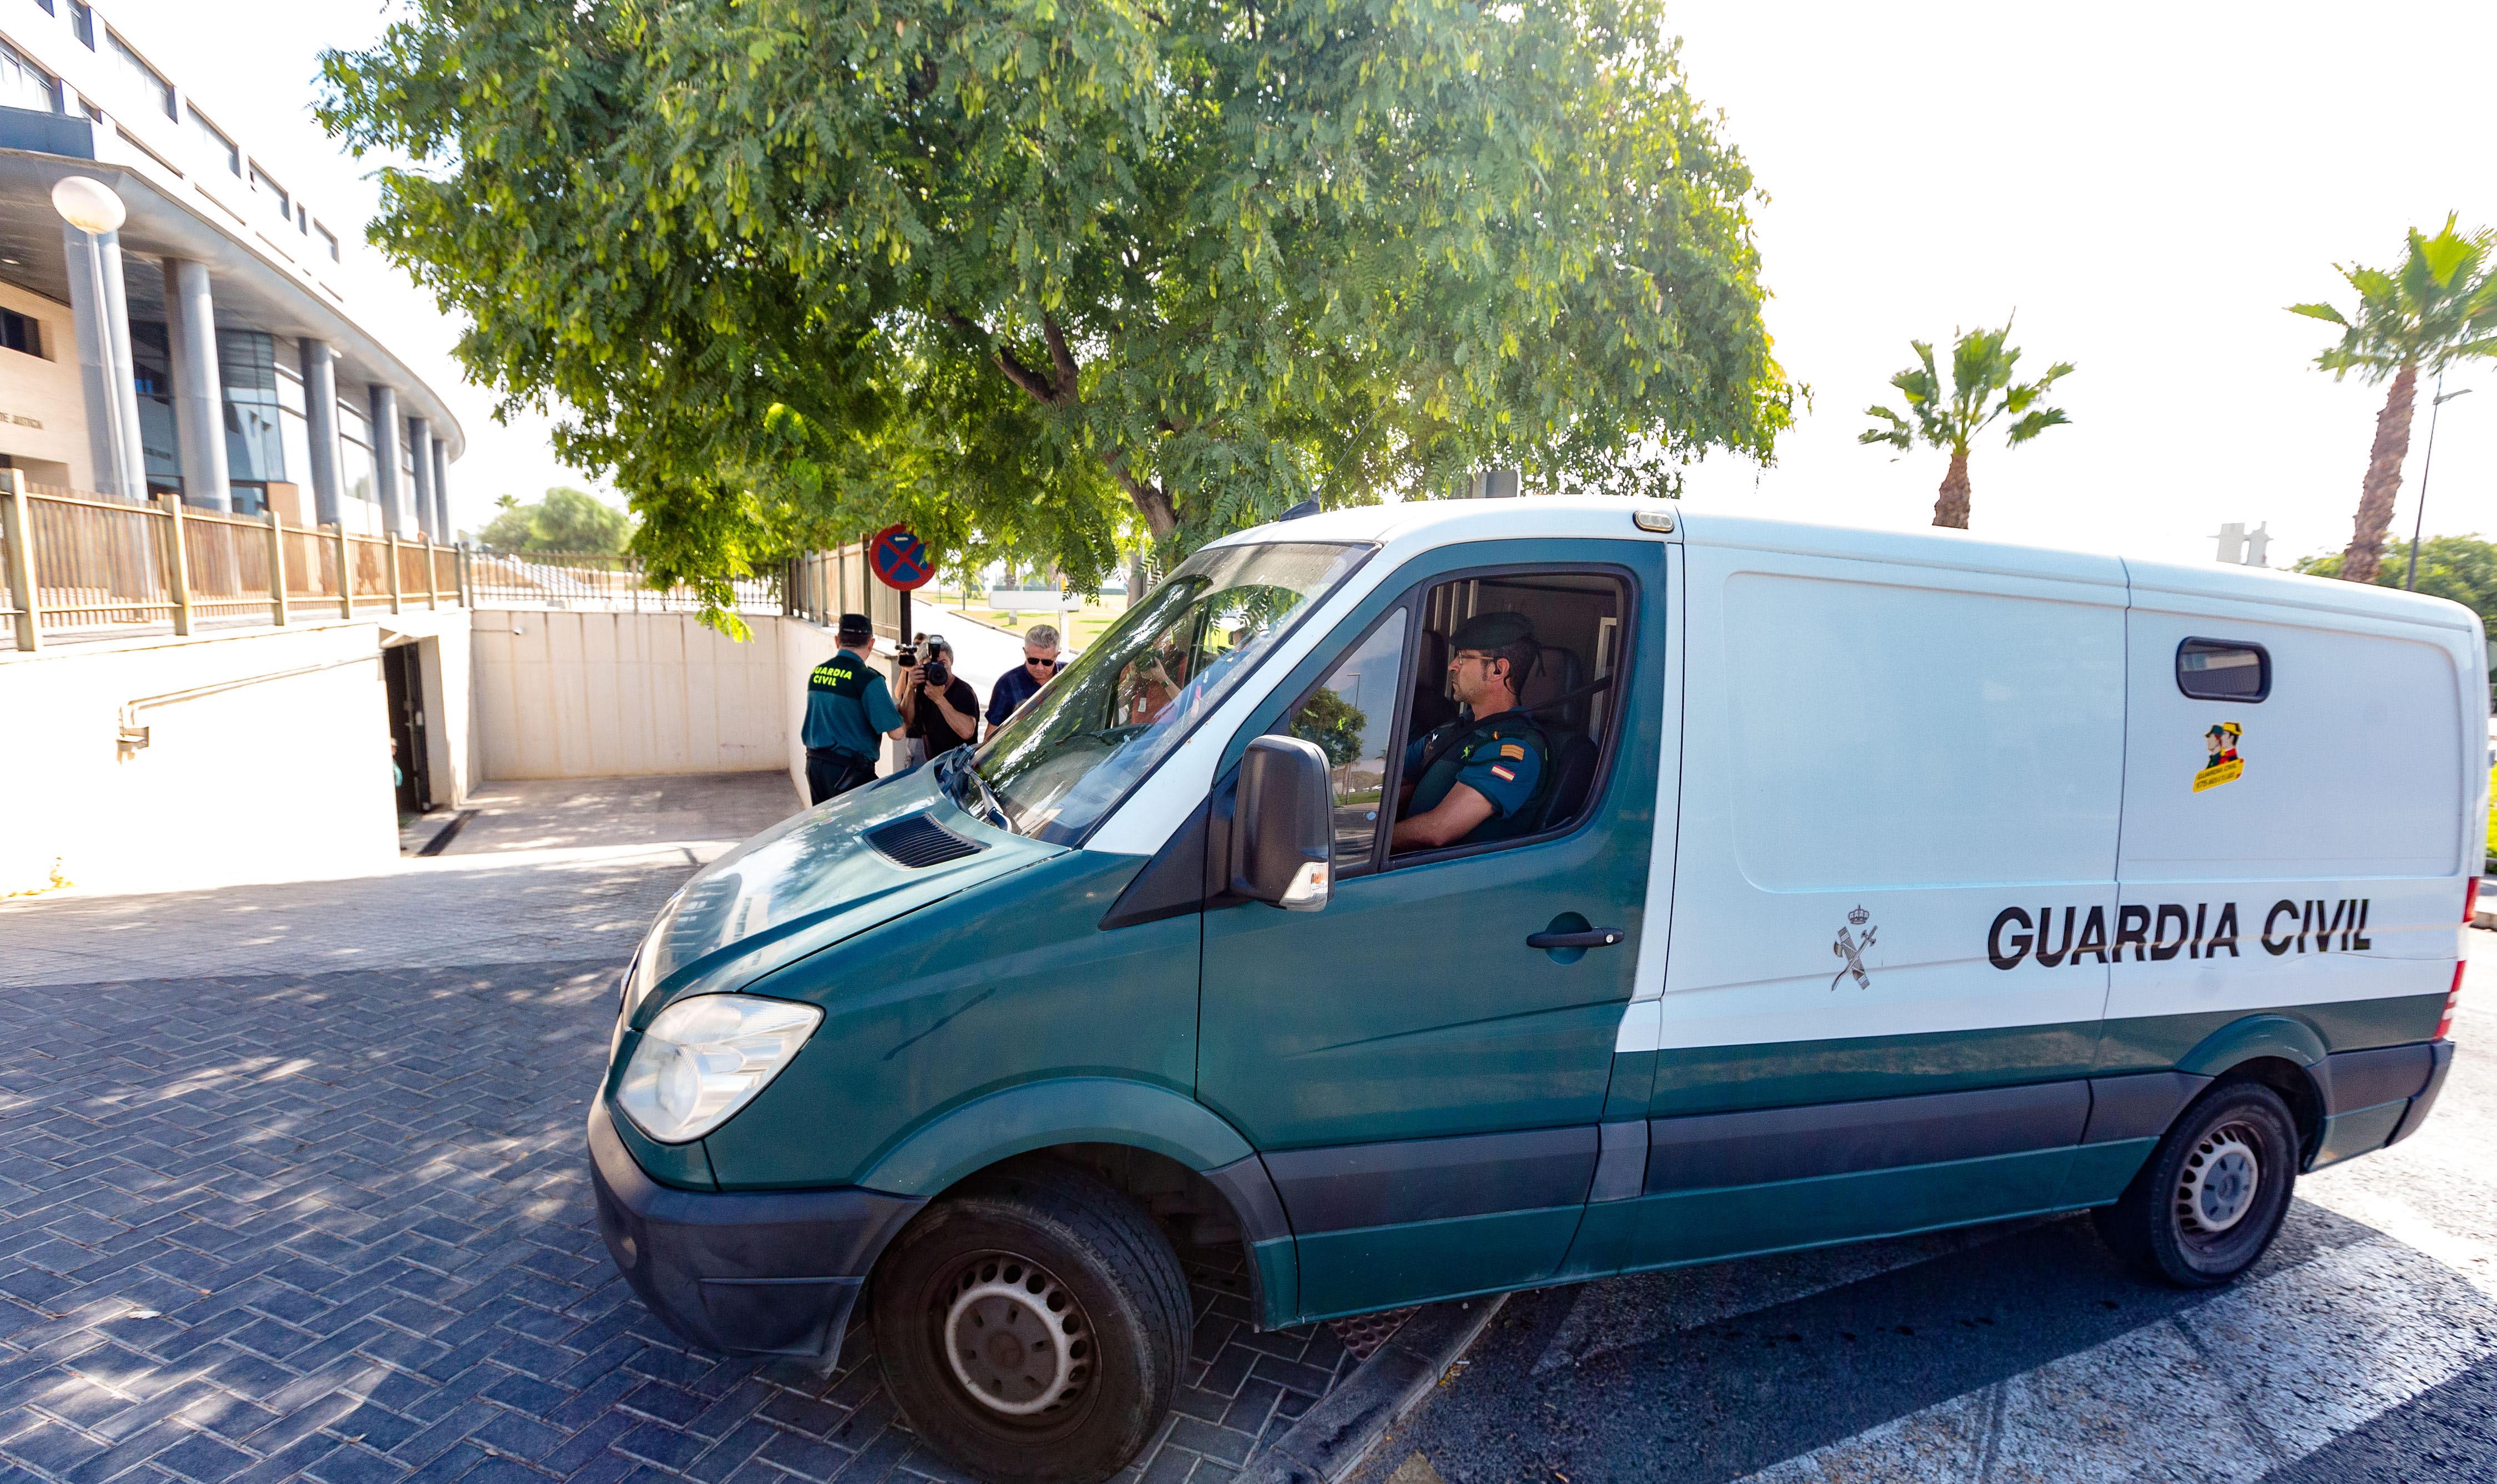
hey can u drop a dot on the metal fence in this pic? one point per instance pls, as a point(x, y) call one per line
point(80, 565)
point(583, 580)
point(823, 585)
point(84, 565)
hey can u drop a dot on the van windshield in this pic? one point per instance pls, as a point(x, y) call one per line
point(1101, 723)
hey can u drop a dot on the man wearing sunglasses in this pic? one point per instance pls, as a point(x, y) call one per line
point(1020, 684)
point(1480, 777)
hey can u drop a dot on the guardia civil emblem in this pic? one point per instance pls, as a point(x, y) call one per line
point(1852, 948)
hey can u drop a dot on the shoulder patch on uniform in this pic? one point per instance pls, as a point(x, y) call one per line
point(1503, 773)
point(1513, 751)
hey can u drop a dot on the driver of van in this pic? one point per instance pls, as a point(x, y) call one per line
point(1478, 778)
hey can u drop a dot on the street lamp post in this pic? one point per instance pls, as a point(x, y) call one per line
point(2427, 466)
point(91, 207)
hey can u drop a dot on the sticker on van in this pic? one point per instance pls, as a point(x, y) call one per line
point(1852, 951)
point(2219, 745)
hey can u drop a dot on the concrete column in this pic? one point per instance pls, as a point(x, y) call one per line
point(199, 388)
point(110, 377)
point(321, 426)
point(420, 449)
point(397, 514)
point(442, 493)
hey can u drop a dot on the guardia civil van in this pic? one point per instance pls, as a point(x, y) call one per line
point(1858, 884)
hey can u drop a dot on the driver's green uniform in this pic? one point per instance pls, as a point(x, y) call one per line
point(1504, 758)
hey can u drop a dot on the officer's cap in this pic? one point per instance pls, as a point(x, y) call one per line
point(856, 626)
point(1492, 631)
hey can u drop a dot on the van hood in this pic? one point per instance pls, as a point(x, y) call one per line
point(807, 883)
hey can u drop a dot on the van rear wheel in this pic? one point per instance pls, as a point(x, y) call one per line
point(2212, 1196)
point(1032, 1325)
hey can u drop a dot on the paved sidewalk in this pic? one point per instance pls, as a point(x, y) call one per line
point(547, 872)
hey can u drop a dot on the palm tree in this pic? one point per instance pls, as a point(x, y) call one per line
point(1982, 391)
point(2439, 307)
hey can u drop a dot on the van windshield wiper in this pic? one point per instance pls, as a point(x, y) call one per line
point(974, 794)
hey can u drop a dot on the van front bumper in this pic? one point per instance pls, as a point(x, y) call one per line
point(765, 1273)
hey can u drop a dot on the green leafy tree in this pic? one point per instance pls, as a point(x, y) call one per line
point(1982, 391)
point(565, 520)
point(2463, 568)
point(509, 530)
point(1008, 268)
point(2437, 308)
point(570, 520)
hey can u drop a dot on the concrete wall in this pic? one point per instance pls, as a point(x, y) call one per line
point(43, 406)
point(275, 781)
point(589, 695)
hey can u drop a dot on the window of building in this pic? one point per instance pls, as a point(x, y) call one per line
point(17, 332)
point(2215, 670)
point(328, 240)
point(152, 376)
point(149, 83)
point(83, 23)
point(247, 365)
point(356, 474)
point(261, 182)
point(295, 435)
point(213, 142)
point(48, 7)
point(26, 86)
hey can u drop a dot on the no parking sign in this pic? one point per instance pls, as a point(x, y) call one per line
point(902, 560)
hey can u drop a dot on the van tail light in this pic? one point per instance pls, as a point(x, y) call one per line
point(2452, 998)
point(2471, 901)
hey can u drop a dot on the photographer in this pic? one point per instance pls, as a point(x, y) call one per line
point(941, 711)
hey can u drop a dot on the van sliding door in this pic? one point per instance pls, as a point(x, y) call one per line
point(1893, 906)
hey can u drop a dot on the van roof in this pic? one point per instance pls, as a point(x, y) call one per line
point(1435, 523)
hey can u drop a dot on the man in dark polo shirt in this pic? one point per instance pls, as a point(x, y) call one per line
point(849, 713)
point(1040, 661)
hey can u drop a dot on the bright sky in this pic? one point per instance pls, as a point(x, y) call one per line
point(2147, 184)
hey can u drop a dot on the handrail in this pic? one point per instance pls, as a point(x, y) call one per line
point(135, 736)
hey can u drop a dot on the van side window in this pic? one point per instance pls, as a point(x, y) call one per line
point(1511, 700)
point(2216, 669)
point(1351, 716)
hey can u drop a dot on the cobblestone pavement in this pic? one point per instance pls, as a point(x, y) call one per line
point(338, 1225)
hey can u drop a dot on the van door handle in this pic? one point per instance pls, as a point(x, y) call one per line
point(1592, 937)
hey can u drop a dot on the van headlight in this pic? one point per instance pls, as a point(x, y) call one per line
point(705, 1058)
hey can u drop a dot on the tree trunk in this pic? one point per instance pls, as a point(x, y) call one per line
point(1951, 507)
point(2383, 479)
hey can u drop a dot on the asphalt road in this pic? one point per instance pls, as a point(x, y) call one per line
point(2364, 1347)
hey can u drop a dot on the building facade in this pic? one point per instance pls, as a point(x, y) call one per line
point(209, 347)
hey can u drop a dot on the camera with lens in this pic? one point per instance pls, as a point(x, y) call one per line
point(936, 674)
point(907, 658)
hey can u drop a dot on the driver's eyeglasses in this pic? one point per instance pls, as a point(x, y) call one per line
point(1462, 655)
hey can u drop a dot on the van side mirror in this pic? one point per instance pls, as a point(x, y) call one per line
point(1282, 827)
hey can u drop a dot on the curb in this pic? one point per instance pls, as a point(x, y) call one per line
point(1333, 1437)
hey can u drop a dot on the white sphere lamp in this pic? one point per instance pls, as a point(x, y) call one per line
point(88, 205)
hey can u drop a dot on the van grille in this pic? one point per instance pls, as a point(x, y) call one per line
point(916, 840)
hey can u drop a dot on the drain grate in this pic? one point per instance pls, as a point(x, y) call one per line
point(1364, 1334)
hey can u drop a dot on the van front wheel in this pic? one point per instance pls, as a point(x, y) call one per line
point(2213, 1195)
point(1032, 1325)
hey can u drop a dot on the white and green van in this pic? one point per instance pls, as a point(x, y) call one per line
point(1867, 883)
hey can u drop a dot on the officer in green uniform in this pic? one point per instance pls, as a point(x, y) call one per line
point(849, 713)
point(1483, 775)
